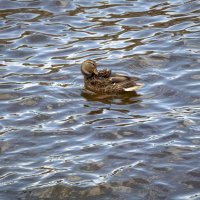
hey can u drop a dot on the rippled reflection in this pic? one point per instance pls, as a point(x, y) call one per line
point(127, 98)
point(59, 141)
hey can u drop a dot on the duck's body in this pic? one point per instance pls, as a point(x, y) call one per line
point(105, 81)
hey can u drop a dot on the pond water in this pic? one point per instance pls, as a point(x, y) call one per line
point(57, 141)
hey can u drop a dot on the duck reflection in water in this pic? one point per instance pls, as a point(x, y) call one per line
point(119, 99)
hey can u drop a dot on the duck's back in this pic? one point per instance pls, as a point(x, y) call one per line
point(108, 83)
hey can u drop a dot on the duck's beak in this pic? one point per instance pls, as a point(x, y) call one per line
point(96, 72)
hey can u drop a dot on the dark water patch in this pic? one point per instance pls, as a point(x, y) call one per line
point(58, 140)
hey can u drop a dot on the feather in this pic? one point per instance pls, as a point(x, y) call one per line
point(136, 87)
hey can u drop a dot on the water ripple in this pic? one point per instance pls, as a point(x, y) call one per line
point(59, 141)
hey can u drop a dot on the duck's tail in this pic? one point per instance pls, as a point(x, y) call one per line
point(135, 87)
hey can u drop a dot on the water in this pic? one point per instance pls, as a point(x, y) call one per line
point(59, 142)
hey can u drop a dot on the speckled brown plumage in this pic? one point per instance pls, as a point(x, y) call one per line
point(104, 81)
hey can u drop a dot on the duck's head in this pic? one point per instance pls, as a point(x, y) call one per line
point(89, 68)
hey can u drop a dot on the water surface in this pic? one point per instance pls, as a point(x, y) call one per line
point(57, 141)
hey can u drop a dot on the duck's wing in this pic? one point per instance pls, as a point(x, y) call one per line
point(127, 83)
point(119, 78)
point(133, 88)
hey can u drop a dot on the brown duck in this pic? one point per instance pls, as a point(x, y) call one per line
point(106, 82)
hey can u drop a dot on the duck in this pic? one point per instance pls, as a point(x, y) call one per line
point(106, 82)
